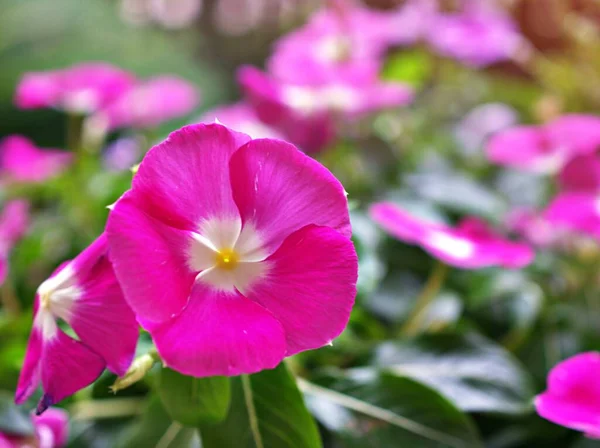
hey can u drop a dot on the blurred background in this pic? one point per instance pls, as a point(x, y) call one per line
point(428, 155)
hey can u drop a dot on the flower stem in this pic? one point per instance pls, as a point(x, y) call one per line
point(251, 411)
point(428, 293)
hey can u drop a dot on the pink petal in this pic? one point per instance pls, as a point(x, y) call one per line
point(575, 211)
point(310, 287)
point(184, 180)
point(37, 90)
point(220, 333)
point(66, 366)
point(280, 190)
point(22, 161)
point(578, 132)
point(56, 421)
point(101, 317)
point(29, 379)
point(149, 261)
point(242, 118)
point(573, 395)
point(397, 222)
point(14, 221)
point(581, 174)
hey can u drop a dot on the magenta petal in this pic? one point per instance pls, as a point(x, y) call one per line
point(37, 90)
point(149, 261)
point(53, 423)
point(261, 173)
point(220, 333)
point(66, 367)
point(578, 212)
point(191, 163)
point(582, 173)
point(397, 222)
point(310, 287)
point(573, 395)
point(103, 320)
point(29, 379)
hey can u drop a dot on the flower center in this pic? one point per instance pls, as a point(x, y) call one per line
point(226, 259)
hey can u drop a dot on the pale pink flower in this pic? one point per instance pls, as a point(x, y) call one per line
point(82, 88)
point(51, 430)
point(572, 398)
point(475, 36)
point(22, 161)
point(470, 245)
point(546, 148)
point(14, 222)
point(83, 293)
point(233, 253)
point(532, 226)
point(242, 118)
point(148, 105)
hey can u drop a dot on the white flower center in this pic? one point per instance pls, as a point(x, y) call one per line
point(226, 256)
point(57, 296)
point(455, 246)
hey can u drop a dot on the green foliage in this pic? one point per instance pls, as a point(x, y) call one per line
point(194, 401)
point(267, 411)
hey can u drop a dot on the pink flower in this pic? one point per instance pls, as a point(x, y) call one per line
point(242, 118)
point(470, 245)
point(307, 114)
point(22, 161)
point(14, 222)
point(582, 174)
point(408, 23)
point(85, 294)
point(347, 40)
point(576, 211)
point(475, 36)
point(82, 88)
point(572, 398)
point(51, 431)
point(232, 252)
point(547, 148)
point(149, 104)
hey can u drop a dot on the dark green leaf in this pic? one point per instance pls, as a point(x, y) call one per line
point(468, 369)
point(192, 401)
point(373, 409)
point(155, 428)
point(267, 411)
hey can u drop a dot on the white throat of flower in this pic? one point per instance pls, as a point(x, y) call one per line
point(227, 256)
point(57, 296)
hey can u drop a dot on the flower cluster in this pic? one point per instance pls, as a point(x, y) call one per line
point(566, 148)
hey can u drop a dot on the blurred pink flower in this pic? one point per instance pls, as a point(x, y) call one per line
point(577, 212)
point(240, 117)
point(148, 104)
point(51, 431)
point(470, 245)
point(476, 36)
point(85, 294)
point(546, 148)
point(14, 222)
point(308, 114)
point(582, 173)
point(249, 237)
point(82, 88)
point(533, 227)
point(348, 40)
point(22, 161)
point(408, 23)
point(572, 398)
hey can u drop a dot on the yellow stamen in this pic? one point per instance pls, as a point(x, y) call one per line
point(227, 259)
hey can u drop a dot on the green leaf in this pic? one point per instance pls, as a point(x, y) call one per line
point(376, 409)
point(477, 375)
point(12, 419)
point(192, 401)
point(267, 411)
point(412, 67)
point(155, 428)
